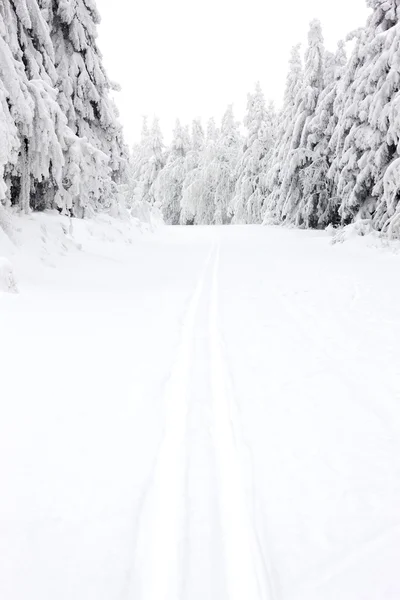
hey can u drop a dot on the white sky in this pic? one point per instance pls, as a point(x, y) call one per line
point(191, 59)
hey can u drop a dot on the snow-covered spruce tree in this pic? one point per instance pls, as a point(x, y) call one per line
point(299, 157)
point(169, 183)
point(210, 185)
point(82, 81)
point(51, 160)
point(138, 159)
point(224, 165)
point(140, 151)
point(36, 127)
point(205, 213)
point(268, 136)
point(368, 132)
point(319, 203)
point(212, 131)
point(344, 168)
point(156, 161)
point(285, 126)
point(247, 204)
point(14, 100)
point(193, 182)
point(146, 161)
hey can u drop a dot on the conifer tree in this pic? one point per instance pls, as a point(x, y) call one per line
point(207, 183)
point(319, 206)
point(247, 203)
point(138, 168)
point(156, 161)
point(299, 157)
point(225, 165)
point(368, 141)
point(285, 125)
point(192, 185)
point(169, 183)
point(63, 145)
point(39, 128)
point(343, 170)
point(82, 81)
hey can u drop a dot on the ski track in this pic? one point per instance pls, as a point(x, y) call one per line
point(249, 574)
point(159, 560)
point(198, 535)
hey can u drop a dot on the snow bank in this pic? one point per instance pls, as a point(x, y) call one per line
point(46, 239)
point(362, 234)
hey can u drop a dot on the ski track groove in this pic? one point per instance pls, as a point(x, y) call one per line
point(138, 511)
point(176, 381)
point(165, 545)
point(142, 500)
point(222, 385)
point(260, 581)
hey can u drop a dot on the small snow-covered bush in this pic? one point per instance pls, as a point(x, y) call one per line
point(8, 282)
point(359, 228)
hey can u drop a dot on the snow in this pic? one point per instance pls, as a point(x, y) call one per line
point(7, 277)
point(207, 412)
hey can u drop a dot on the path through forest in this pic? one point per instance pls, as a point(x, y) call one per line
point(211, 413)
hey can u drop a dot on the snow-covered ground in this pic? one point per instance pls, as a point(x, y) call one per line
point(198, 413)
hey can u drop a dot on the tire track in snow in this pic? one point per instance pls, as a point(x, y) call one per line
point(158, 569)
point(248, 573)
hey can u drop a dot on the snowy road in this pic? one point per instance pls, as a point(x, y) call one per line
point(212, 413)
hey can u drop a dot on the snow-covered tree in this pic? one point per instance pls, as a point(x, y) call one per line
point(319, 204)
point(146, 162)
point(193, 182)
point(61, 143)
point(169, 183)
point(205, 209)
point(212, 131)
point(283, 143)
point(247, 204)
point(82, 81)
point(156, 161)
point(344, 167)
point(138, 160)
point(14, 100)
point(299, 156)
point(368, 131)
point(225, 164)
point(217, 171)
point(28, 76)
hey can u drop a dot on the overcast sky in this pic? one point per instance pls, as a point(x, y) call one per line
point(191, 59)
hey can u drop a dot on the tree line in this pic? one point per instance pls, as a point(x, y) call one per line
point(329, 156)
